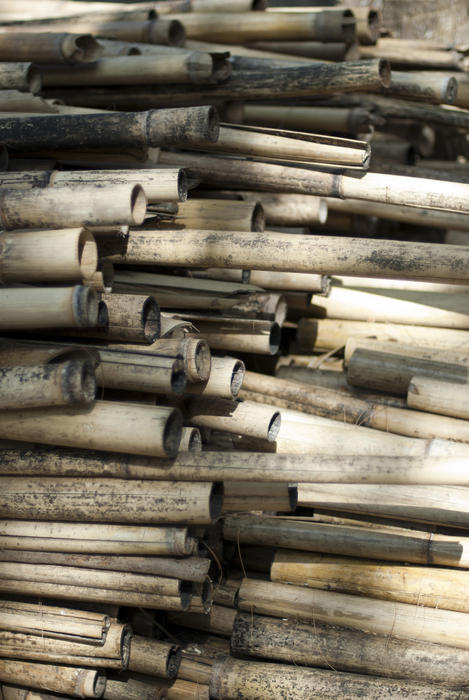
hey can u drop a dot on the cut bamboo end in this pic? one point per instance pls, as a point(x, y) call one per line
point(138, 205)
point(87, 254)
point(81, 48)
point(191, 440)
point(85, 306)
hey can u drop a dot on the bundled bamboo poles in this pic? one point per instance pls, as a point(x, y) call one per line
point(62, 679)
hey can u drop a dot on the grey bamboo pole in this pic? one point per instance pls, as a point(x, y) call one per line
point(19, 76)
point(112, 500)
point(315, 50)
point(406, 55)
point(112, 425)
point(233, 678)
point(289, 253)
point(67, 255)
point(348, 650)
point(48, 307)
point(383, 617)
point(153, 657)
point(86, 538)
point(65, 384)
point(429, 586)
point(348, 541)
point(62, 679)
point(225, 380)
point(242, 418)
point(54, 622)
point(49, 47)
point(196, 125)
point(243, 27)
point(423, 352)
point(60, 207)
point(403, 190)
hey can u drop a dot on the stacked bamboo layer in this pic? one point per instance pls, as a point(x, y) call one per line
point(233, 363)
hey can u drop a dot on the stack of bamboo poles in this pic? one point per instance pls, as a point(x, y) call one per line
point(233, 356)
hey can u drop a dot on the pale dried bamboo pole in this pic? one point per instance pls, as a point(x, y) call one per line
point(225, 380)
point(20, 76)
point(242, 418)
point(94, 578)
point(286, 252)
point(144, 373)
point(330, 333)
point(243, 27)
point(219, 620)
point(58, 207)
point(51, 621)
point(429, 586)
point(221, 214)
point(280, 281)
point(287, 209)
point(66, 255)
point(347, 650)
point(239, 335)
point(307, 50)
point(51, 307)
point(132, 317)
point(19, 693)
point(422, 352)
point(116, 426)
point(86, 538)
point(241, 496)
point(196, 125)
point(108, 500)
point(227, 5)
point(415, 548)
point(49, 47)
point(343, 120)
point(159, 184)
point(250, 680)
point(153, 657)
point(129, 688)
point(378, 617)
point(194, 351)
point(127, 28)
point(65, 384)
point(438, 396)
point(415, 56)
point(75, 681)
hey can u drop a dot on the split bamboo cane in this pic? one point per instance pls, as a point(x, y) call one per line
point(195, 125)
point(438, 396)
point(20, 76)
point(59, 207)
point(382, 617)
point(225, 380)
point(221, 215)
point(48, 307)
point(111, 500)
point(242, 418)
point(65, 384)
point(427, 586)
point(62, 679)
point(153, 657)
point(235, 679)
point(67, 255)
point(49, 47)
point(348, 541)
point(86, 538)
point(243, 27)
point(347, 650)
point(119, 427)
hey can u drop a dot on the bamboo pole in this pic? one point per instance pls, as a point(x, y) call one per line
point(87, 538)
point(347, 650)
point(196, 125)
point(218, 621)
point(48, 307)
point(438, 396)
point(422, 352)
point(269, 83)
point(14, 353)
point(21, 693)
point(242, 418)
point(62, 679)
point(54, 622)
point(20, 76)
point(112, 500)
point(138, 27)
point(330, 333)
point(244, 27)
point(422, 86)
point(430, 587)
point(59, 207)
point(280, 144)
point(316, 50)
point(417, 548)
point(67, 255)
point(196, 68)
point(388, 372)
point(240, 496)
point(49, 47)
point(287, 209)
point(143, 372)
point(129, 688)
point(227, 5)
point(221, 215)
point(414, 56)
point(225, 380)
point(233, 678)
point(101, 280)
point(382, 617)
point(239, 335)
point(65, 384)
point(132, 318)
point(195, 353)
point(153, 657)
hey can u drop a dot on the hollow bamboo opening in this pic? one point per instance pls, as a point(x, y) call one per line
point(85, 306)
point(274, 427)
point(138, 205)
point(202, 359)
point(172, 433)
point(237, 377)
point(274, 339)
point(258, 218)
point(176, 34)
point(151, 320)
point(81, 49)
point(173, 662)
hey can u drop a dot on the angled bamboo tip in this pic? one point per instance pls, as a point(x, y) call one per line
point(33, 79)
point(216, 500)
point(213, 124)
point(151, 319)
point(202, 358)
point(172, 433)
point(81, 48)
point(87, 254)
point(173, 662)
point(384, 70)
point(85, 306)
point(138, 205)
